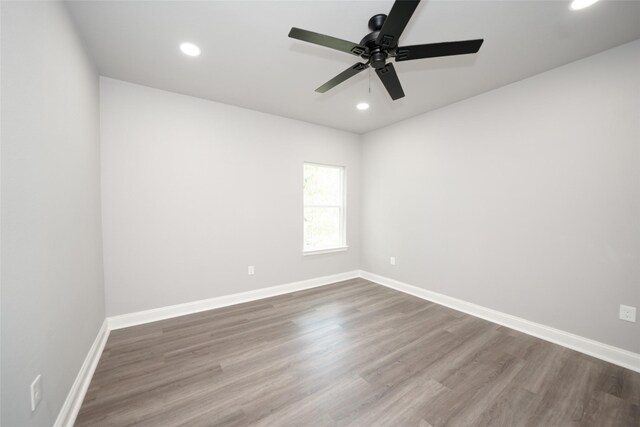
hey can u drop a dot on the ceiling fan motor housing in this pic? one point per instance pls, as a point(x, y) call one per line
point(378, 59)
point(377, 54)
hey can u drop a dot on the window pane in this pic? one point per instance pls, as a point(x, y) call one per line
point(322, 228)
point(322, 185)
point(324, 213)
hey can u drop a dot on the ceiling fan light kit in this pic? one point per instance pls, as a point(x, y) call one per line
point(381, 44)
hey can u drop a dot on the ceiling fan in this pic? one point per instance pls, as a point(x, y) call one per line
point(382, 43)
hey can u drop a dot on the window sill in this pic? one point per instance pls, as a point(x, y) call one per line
point(326, 251)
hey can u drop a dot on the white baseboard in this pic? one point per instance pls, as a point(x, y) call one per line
point(71, 407)
point(140, 317)
point(608, 353)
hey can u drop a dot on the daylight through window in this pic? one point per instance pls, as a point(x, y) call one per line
point(324, 207)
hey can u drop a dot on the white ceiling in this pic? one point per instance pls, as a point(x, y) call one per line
point(248, 60)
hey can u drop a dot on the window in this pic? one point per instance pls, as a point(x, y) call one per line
point(324, 208)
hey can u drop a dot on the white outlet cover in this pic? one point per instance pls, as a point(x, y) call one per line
point(36, 392)
point(627, 313)
point(392, 260)
point(251, 270)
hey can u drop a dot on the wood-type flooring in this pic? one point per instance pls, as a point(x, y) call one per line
point(352, 353)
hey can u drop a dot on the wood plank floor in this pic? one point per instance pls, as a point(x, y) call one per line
point(351, 353)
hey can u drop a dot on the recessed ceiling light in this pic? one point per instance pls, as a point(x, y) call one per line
point(190, 49)
point(581, 4)
point(362, 106)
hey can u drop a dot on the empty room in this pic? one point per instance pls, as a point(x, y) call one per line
point(320, 213)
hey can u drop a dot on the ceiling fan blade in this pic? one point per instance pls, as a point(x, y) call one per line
point(327, 41)
point(346, 74)
point(432, 50)
point(398, 18)
point(390, 81)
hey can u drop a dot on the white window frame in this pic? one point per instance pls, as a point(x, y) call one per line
point(342, 246)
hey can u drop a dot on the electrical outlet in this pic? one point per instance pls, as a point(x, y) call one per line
point(251, 270)
point(627, 313)
point(392, 260)
point(36, 392)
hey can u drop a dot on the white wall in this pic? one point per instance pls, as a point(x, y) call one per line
point(52, 288)
point(195, 191)
point(525, 199)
